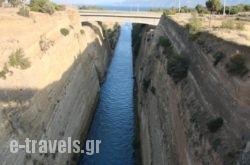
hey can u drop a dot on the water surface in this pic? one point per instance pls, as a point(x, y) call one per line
point(113, 121)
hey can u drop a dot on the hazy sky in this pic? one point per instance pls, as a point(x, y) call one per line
point(160, 3)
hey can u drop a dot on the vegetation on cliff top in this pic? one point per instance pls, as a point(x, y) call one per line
point(15, 3)
point(214, 6)
point(45, 6)
point(90, 8)
point(24, 11)
point(195, 24)
point(232, 24)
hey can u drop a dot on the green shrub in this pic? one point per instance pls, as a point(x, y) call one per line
point(146, 84)
point(201, 9)
point(17, 60)
point(240, 26)
point(83, 7)
point(194, 36)
point(171, 11)
point(44, 6)
point(185, 9)
point(228, 24)
point(15, 3)
point(45, 43)
point(153, 90)
point(3, 75)
point(59, 7)
point(164, 42)
point(247, 7)
point(167, 45)
point(195, 24)
point(233, 10)
point(82, 31)
point(37, 5)
point(4, 71)
point(237, 65)
point(215, 124)
point(177, 67)
point(218, 57)
point(48, 8)
point(64, 31)
point(24, 11)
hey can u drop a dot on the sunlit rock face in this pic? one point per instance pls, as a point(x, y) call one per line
point(55, 97)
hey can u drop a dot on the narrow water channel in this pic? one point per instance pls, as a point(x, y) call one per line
point(113, 121)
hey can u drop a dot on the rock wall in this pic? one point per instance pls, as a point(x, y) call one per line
point(173, 117)
point(55, 98)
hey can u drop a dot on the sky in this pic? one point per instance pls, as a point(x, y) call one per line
point(153, 3)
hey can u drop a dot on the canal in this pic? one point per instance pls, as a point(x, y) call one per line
point(113, 122)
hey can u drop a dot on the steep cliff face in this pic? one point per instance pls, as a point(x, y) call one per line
point(55, 97)
point(202, 119)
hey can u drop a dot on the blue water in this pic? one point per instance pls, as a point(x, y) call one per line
point(113, 121)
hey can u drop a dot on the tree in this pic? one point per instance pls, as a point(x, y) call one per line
point(213, 5)
point(184, 9)
point(247, 8)
point(15, 3)
point(37, 5)
point(200, 9)
point(234, 10)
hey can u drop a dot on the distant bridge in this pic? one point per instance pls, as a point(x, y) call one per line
point(151, 18)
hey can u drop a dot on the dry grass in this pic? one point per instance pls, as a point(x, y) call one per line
point(240, 33)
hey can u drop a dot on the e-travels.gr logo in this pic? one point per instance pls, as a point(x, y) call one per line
point(51, 146)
